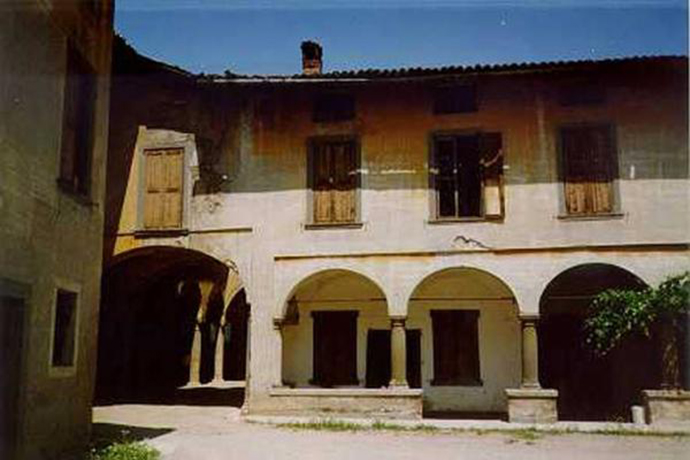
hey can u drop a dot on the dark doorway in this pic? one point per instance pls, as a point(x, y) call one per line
point(335, 348)
point(11, 337)
point(235, 336)
point(379, 358)
point(591, 387)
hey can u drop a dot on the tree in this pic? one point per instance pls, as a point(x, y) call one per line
point(618, 313)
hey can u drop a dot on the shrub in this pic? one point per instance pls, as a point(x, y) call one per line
point(129, 450)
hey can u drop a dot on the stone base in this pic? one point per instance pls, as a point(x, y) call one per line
point(667, 406)
point(527, 405)
point(384, 403)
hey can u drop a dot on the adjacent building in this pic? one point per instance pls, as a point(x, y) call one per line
point(54, 92)
point(390, 242)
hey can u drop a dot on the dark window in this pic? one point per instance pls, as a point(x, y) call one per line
point(335, 348)
point(64, 333)
point(334, 179)
point(334, 107)
point(455, 99)
point(163, 188)
point(379, 358)
point(456, 347)
point(575, 94)
point(467, 174)
point(77, 124)
point(588, 168)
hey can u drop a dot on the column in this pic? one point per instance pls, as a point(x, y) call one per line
point(195, 358)
point(278, 327)
point(218, 356)
point(398, 353)
point(530, 352)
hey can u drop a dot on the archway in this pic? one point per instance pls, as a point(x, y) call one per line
point(167, 320)
point(470, 350)
point(326, 329)
point(591, 387)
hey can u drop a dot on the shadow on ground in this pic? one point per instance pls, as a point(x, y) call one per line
point(228, 397)
point(105, 434)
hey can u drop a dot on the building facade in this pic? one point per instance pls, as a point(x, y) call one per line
point(404, 241)
point(54, 95)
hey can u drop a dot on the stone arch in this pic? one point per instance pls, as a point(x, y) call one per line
point(591, 387)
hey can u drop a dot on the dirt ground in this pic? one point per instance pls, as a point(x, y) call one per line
point(210, 433)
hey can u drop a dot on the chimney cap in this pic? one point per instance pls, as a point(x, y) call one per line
point(311, 58)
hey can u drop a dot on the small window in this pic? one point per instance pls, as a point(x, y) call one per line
point(581, 94)
point(77, 124)
point(456, 347)
point(467, 175)
point(333, 108)
point(163, 189)
point(334, 177)
point(335, 348)
point(588, 169)
point(455, 99)
point(64, 333)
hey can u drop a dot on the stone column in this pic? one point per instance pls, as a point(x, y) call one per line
point(195, 358)
point(278, 327)
point(530, 352)
point(398, 353)
point(218, 356)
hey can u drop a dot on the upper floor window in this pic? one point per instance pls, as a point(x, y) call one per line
point(581, 93)
point(334, 107)
point(588, 169)
point(77, 123)
point(65, 327)
point(467, 175)
point(455, 99)
point(163, 170)
point(334, 179)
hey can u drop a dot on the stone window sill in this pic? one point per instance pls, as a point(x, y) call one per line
point(162, 233)
point(334, 225)
point(464, 220)
point(586, 217)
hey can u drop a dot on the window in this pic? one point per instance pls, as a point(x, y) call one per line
point(467, 175)
point(456, 347)
point(581, 93)
point(334, 177)
point(333, 108)
point(65, 328)
point(588, 169)
point(335, 348)
point(455, 99)
point(163, 189)
point(77, 124)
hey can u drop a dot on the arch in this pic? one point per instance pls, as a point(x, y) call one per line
point(493, 282)
point(326, 273)
point(591, 387)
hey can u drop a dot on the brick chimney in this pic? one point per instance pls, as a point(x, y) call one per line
point(311, 58)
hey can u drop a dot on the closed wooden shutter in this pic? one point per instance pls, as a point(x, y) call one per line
point(491, 152)
point(163, 194)
point(322, 184)
point(588, 171)
point(334, 181)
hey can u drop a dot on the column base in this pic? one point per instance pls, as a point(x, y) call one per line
point(532, 405)
point(667, 406)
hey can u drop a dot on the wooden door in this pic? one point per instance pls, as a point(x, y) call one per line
point(378, 358)
point(335, 348)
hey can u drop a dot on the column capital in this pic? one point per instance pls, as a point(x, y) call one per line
point(398, 321)
point(529, 318)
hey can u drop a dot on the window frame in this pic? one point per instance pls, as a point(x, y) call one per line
point(312, 142)
point(438, 109)
point(459, 380)
point(434, 217)
point(73, 106)
point(184, 142)
point(321, 115)
point(616, 208)
point(73, 288)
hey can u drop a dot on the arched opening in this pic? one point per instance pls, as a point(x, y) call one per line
point(173, 328)
point(327, 327)
point(591, 387)
point(470, 351)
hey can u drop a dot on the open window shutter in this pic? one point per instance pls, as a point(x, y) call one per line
point(491, 151)
point(321, 183)
point(575, 170)
point(345, 182)
point(601, 190)
point(172, 214)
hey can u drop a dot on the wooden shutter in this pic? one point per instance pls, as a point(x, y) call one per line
point(491, 154)
point(446, 189)
point(587, 162)
point(163, 194)
point(321, 183)
point(456, 347)
point(344, 182)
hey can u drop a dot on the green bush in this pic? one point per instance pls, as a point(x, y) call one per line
point(126, 451)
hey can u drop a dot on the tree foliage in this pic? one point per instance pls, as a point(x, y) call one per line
point(618, 313)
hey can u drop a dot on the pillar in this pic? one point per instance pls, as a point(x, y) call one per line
point(530, 352)
point(398, 353)
point(218, 356)
point(278, 328)
point(195, 358)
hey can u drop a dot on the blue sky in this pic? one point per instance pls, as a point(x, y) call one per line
point(263, 36)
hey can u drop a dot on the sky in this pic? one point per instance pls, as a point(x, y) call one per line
point(263, 36)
